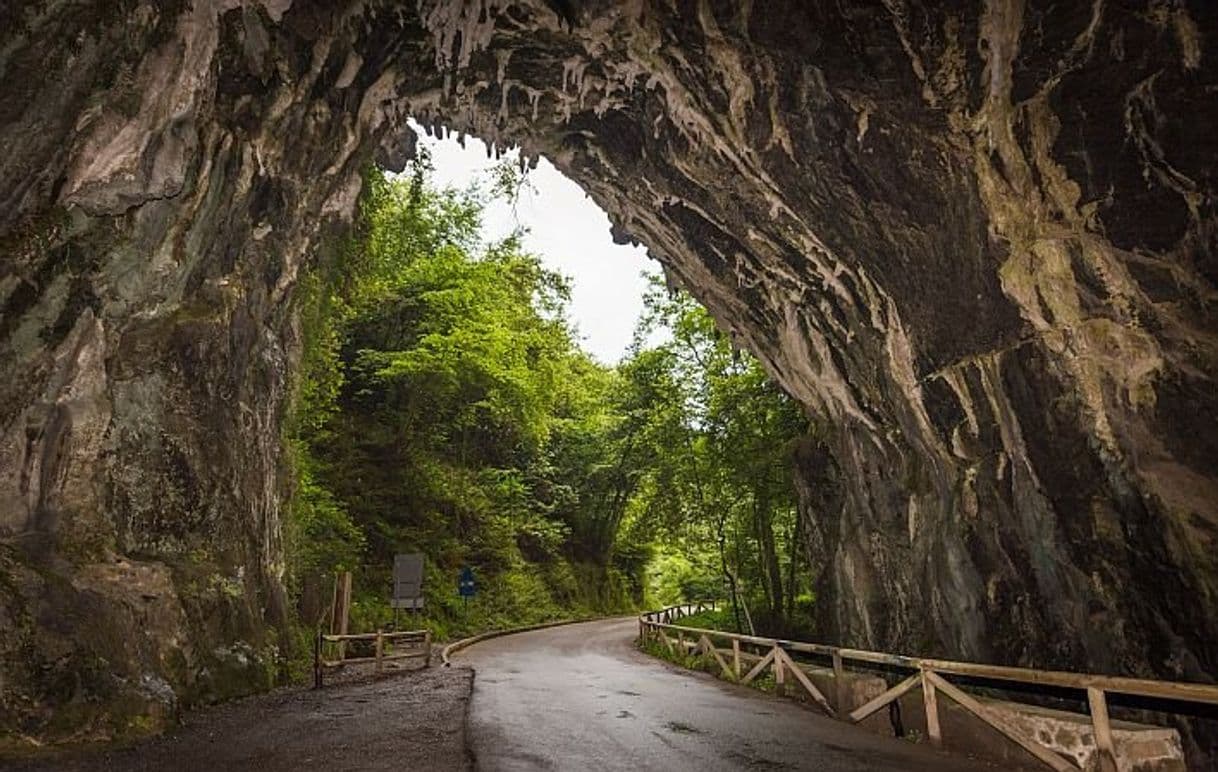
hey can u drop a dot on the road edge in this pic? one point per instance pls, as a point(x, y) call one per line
point(456, 646)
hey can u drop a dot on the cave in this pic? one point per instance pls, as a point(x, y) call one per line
point(976, 241)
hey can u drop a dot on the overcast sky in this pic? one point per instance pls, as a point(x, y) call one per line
point(570, 233)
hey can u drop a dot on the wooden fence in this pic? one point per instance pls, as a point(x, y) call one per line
point(928, 675)
point(415, 644)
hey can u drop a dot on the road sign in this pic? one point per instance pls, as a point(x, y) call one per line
point(407, 581)
point(466, 584)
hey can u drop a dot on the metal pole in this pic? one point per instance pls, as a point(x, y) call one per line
point(839, 684)
point(317, 678)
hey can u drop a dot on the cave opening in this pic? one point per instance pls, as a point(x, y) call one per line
point(973, 242)
point(555, 218)
point(598, 420)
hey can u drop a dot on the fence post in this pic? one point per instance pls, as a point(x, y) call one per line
point(931, 704)
point(839, 684)
point(427, 648)
point(736, 657)
point(1103, 730)
point(380, 649)
point(780, 676)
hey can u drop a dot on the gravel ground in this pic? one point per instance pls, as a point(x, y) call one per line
point(413, 720)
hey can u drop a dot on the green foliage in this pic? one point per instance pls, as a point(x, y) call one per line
point(715, 444)
point(445, 408)
point(721, 618)
point(656, 648)
point(684, 573)
point(327, 540)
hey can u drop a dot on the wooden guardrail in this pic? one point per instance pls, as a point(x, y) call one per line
point(416, 645)
point(928, 675)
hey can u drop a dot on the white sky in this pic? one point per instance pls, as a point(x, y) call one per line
point(570, 233)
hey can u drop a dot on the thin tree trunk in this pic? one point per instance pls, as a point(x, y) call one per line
point(771, 571)
point(720, 526)
point(793, 548)
point(728, 575)
point(763, 574)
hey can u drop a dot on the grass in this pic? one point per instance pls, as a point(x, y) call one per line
point(722, 620)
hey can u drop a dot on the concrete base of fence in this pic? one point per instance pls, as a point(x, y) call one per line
point(1140, 747)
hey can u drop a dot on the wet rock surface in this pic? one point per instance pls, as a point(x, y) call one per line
point(976, 240)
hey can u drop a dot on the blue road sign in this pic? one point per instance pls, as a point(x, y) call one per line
point(466, 584)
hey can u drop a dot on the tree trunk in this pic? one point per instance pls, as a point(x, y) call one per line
point(792, 564)
point(771, 572)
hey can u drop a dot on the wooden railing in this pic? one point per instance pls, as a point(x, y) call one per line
point(928, 675)
point(672, 613)
point(416, 644)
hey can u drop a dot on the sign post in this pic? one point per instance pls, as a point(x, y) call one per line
point(466, 584)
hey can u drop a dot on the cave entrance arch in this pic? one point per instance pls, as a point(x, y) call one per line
point(989, 278)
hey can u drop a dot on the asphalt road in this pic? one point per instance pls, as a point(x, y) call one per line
point(581, 697)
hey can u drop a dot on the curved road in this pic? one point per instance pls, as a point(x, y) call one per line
point(581, 697)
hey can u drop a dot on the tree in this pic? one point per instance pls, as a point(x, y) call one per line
point(722, 443)
point(446, 408)
point(451, 412)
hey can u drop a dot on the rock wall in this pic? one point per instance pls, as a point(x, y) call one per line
point(168, 168)
point(977, 240)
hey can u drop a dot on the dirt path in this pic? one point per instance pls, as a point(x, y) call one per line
point(582, 697)
point(410, 721)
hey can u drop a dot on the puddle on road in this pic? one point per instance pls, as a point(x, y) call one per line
point(750, 761)
point(677, 726)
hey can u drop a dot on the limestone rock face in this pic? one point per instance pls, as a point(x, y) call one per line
point(976, 240)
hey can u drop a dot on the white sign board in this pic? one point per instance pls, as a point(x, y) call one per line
point(407, 581)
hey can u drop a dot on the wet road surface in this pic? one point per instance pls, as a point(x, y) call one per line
point(581, 697)
point(358, 723)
